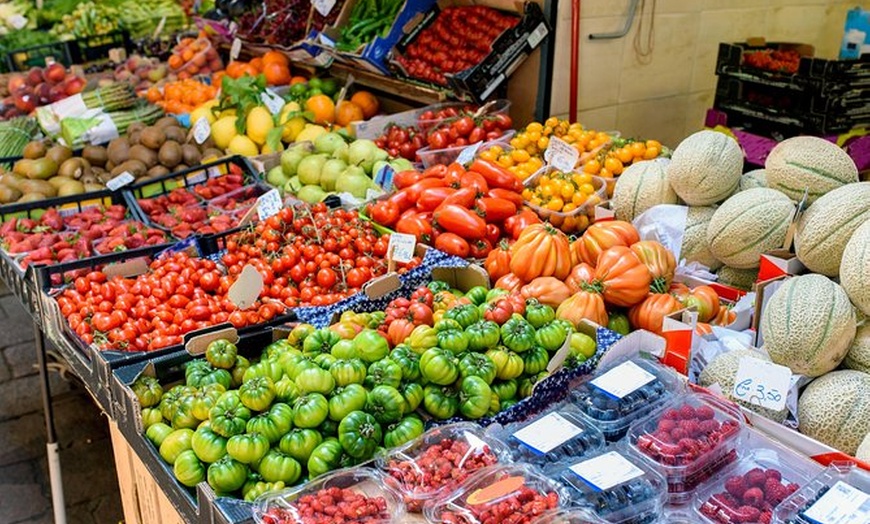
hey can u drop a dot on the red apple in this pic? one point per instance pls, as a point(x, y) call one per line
point(34, 76)
point(55, 73)
point(16, 82)
point(74, 85)
point(58, 92)
point(43, 93)
point(26, 102)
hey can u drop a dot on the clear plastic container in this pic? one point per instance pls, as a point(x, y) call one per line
point(518, 490)
point(576, 220)
point(616, 486)
point(414, 470)
point(199, 58)
point(569, 516)
point(557, 435)
point(727, 498)
point(613, 411)
point(430, 157)
point(500, 106)
point(293, 506)
point(825, 494)
point(238, 201)
point(690, 439)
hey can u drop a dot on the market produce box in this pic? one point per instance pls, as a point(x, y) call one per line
point(852, 102)
point(41, 55)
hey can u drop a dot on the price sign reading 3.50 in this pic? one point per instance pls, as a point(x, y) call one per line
point(762, 383)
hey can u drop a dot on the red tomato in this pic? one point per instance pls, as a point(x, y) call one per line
point(452, 244)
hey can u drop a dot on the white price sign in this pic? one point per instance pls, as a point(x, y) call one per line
point(762, 383)
point(120, 181)
point(842, 504)
point(201, 130)
point(606, 471)
point(623, 379)
point(467, 155)
point(547, 433)
point(323, 6)
point(269, 204)
point(401, 247)
point(235, 49)
point(274, 103)
point(561, 155)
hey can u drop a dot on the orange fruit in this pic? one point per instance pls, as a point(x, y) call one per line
point(367, 102)
point(256, 63)
point(153, 95)
point(274, 57)
point(175, 62)
point(298, 80)
point(322, 108)
point(234, 69)
point(249, 70)
point(348, 112)
point(187, 55)
point(276, 74)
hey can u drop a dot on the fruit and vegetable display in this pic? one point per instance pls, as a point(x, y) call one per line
point(39, 87)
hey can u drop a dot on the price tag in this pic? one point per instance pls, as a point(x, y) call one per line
point(623, 379)
point(467, 155)
point(269, 204)
point(561, 155)
point(120, 181)
point(323, 6)
point(384, 177)
point(401, 247)
point(17, 21)
point(842, 504)
point(762, 383)
point(547, 433)
point(273, 101)
point(235, 49)
point(201, 130)
point(607, 470)
point(247, 287)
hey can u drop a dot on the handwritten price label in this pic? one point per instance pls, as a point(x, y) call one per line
point(269, 204)
point(762, 383)
point(401, 247)
point(561, 155)
point(274, 103)
point(201, 130)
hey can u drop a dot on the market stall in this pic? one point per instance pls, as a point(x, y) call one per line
point(335, 262)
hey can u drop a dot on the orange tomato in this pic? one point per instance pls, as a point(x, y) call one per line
point(187, 55)
point(276, 74)
point(348, 112)
point(235, 69)
point(250, 70)
point(153, 95)
point(256, 63)
point(637, 149)
point(322, 107)
point(298, 80)
point(367, 102)
point(275, 57)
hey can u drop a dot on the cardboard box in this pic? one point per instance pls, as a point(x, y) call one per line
point(763, 291)
point(779, 263)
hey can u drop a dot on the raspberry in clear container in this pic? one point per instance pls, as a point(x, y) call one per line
point(616, 486)
point(840, 494)
point(621, 393)
point(690, 439)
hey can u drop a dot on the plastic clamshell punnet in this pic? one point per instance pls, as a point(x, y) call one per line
point(569, 516)
point(835, 493)
point(282, 507)
point(619, 394)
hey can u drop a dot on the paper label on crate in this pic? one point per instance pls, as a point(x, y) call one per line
point(401, 247)
point(323, 6)
point(561, 155)
point(467, 155)
point(623, 379)
point(17, 21)
point(70, 106)
point(269, 204)
point(246, 289)
point(235, 49)
point(842, 504)
point(547, 433)
point(120, 181)
point(762, 383)
point(274, 103)
point(606, 471)
point(201, 130)
point(537, 35)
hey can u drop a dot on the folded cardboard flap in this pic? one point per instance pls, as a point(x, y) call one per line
point(763, 291)
point(678, 330)
point(631, 345)
point(778, 263)
point(195, 343)
point(127, 268)
point(604, 211)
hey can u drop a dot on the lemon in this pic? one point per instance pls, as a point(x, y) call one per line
point(289, 107)
point(204, 110)
point(242, 145)
point(227, 112)
point(310, 133)
point(292, 128)
point(266, 149)
point(223, 130)
point(258, 124)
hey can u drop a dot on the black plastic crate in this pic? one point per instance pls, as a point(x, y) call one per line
point(855, 101)
point(96, 47)
point(25, 58)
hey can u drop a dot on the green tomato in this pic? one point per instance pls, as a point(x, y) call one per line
point(495, 293)
point(277, 348)
point(148, 390)
point(264, 424)
point(281, 415)
point(507, 363)
point(438, 285)
point(451, 336)
point(441, 402)
point(383, 372)
point(286, 390)
point(583, 345)
point(505, 389)
point(344, 400)
point(477, 365)
point(344, 350)
point(325, 457)
point(297, 337)
point(310, 410)
point(348, 371)
point(151, 416)
point(494, 405)
point(183, 416)
point(257, 393)
point(474, 397)
point(238, 371)
point(526, 385)
point(293, 365)
point(386, 404)
point(535, 360)
point(324, 360)
point(277, 466)
point(517, 334)
point(226, 475)
point(174, 444)
point(422, 338)
point(551, 336)
point(408, 360)
point(439, 366)
point(328, 428)
point(203, 400)
point(538, 314)
point(507, 404)
point(208, 445)
point(320, 341)
point(195, 370)
point(315, 380)
point(221, 354)
point(171, 399)
point(247, 448)
point(299, 443)
point(188, 469)
point(157, 432)
point(618, 322)
point(264, 368)
point(477, 295)
point(403, 431)
point(359, 434)
point(412, 392)
point(251, 491)
point(217, 376)
point(371, 346)
point(482, 335)
point(465, 315)
point(229, 416)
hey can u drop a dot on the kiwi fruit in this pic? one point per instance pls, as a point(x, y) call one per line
point(143, 154)
point(9, 194)
point(34, 150)
point(11, 180)
point(74, 168)
point(37, 186)
point(135, 127)
point(133, 138)
point(31, 197)
point(118, 151)
point(41, 169)
point(175, 133)
point(190, 155)
point(91, 186)
point(91, 179)
point(135, 167)
point(208, 144)
point(157, 171)
point(59, 154)
point(21, 167)
point(96, 155)
point(212, 153)
point(103, 177)
point(71, 187)
point(180, 167)
point(109, 166)
point(166, 121)
point(152, 137)
point(170, 154)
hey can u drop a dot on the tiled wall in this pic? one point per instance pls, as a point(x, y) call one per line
point(668, 97)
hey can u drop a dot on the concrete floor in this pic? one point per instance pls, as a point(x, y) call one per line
point(90, 482)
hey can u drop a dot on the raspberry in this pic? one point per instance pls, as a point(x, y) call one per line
point(749, 514)
point(765, 517)
point(687, 412)
point(755, 477)
point(774, 492)
point(667, 425)
point(692, 427)
point(662, 436)
point(705, 413)
point(773, 474)
point(792, 488)
point(708, 426)
point(735, 486)
point(671, 414)
point(678, 434)
point(753, 497)
point(689, 446)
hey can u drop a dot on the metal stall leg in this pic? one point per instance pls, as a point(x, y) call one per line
point(51, 446)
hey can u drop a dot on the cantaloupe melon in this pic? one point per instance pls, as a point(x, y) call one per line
point(855, 268)
point(722, 370)
point(694, 247)
point(640, 187)
point(808, 325)
point(754, 178)
point(808, 162)
point(835, 409)
point(748, 224)
point(858, 357)
point(828, 224)
point(863, 452)
point(705, 168)
point(740, 278)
